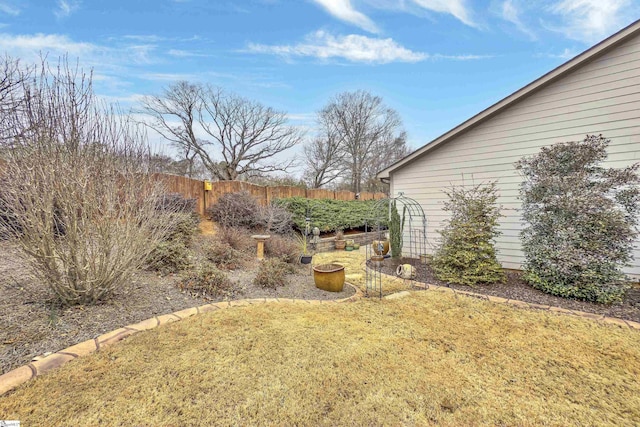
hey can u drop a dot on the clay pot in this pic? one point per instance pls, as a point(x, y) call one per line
point(380, 247)
point(329, 277)
point(406, 271)
point(340, 244)
point(377, 260)
point(306, 259)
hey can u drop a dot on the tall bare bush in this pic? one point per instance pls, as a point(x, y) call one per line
point(85, 211)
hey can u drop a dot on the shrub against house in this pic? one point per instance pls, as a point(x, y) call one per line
point(580, 220)
point(467, 254)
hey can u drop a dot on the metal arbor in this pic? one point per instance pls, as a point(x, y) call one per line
point(413, 232)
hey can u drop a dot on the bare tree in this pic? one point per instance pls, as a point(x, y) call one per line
point(241, 136)
point(384, 155)
point(324, 154)
point(367, 129)
point(174, 115)
point(322, 161)
point(191, 168)
point(76, 196)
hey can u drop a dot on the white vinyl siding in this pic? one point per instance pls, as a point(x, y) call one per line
point(601, 97)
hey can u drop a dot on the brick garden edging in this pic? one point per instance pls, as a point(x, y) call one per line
point(21, 375)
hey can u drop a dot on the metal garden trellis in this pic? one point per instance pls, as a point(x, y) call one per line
point(413, 232)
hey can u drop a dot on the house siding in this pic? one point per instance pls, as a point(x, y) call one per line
point(601, 97)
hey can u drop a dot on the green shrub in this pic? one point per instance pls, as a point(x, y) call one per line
point(396, 225)
point(329, 215)
point(172, 254)
point(208, 281)
point(272, 273)
point(169, 257)
point(580, 220)
point(224, 256)
point(285, 248)
point(467, 254)
point(185, 226)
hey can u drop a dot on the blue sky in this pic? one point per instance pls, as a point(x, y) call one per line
point(437, 62)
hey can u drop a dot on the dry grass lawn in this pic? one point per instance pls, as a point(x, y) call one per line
point(430, 358)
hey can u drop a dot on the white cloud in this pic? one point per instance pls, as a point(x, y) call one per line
point(185, 53)
point(170, 77)
point(147, 38)
point(565, 54)
point(66, 8)
point(354, 48)
point(29, 47)
point(511, 12)
point(589, 20)
point(343, 10)
point(9, 8)
point(457, 8)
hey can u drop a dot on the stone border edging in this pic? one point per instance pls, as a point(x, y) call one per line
point(16, 377)
point(521, 304)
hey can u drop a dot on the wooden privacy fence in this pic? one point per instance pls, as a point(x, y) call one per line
point(194, 189)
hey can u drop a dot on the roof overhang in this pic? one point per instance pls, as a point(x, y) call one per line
point(553, 75)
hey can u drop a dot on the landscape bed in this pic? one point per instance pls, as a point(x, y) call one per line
point(516, 288)
point(32, 324)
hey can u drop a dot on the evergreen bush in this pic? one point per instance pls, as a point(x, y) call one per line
point(580, 220)
point(396, 225)
point(467, 254)
point(329, 215)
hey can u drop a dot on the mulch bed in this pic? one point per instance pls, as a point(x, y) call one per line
point(32, 324)
point(517, 289)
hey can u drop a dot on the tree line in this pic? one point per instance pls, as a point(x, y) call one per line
point(219, 135)
point(223, 136)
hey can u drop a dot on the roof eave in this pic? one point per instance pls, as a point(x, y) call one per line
point(553, 75)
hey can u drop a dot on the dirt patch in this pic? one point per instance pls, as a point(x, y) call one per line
point(516, 288)
point(32, 324)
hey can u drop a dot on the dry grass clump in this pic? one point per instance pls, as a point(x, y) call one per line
point(427, 359)
point(224, 256)
point(272, 273)
point(208, 282)
point(284, 248)
point(238, 238)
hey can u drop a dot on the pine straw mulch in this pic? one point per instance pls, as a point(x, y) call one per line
point(517, 289)
point(32, 324)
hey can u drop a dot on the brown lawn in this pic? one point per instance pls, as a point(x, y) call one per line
point(430, 358)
